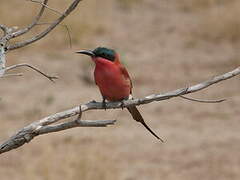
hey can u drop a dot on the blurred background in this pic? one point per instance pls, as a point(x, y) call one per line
point(165, 45)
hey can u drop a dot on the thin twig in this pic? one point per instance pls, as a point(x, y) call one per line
point(46, 6)
point(47, 30)
point(4, 29)
point(8, 75)
point(203, 100)
point(44, 126)
point(30, 26)
point(51, 78)
point(2, 60)
point(67, 29)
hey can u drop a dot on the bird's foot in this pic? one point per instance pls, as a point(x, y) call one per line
point(104, 106)
point(79, 114)
point(122, 104)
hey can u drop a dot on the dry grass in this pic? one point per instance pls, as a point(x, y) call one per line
point(159, 43)
point(215, 20)
point(128, 4)
point(193, 5)
point(220, 24)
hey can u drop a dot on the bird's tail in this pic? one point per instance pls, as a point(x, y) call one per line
point(138, 117)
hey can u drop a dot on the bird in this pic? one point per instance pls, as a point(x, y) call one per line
point(113, 80)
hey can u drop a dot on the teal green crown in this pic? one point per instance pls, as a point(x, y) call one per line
point(106, 53)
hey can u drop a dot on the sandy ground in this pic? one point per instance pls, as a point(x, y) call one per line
point(165, 45)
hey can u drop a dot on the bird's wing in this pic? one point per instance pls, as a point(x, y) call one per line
point(126, 75)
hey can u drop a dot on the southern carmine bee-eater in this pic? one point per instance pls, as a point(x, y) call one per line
point(113, 79)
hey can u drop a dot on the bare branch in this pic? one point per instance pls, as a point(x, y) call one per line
point(34, 23)
point(46, 6)
point(67, 29)
point(10, 75)
point(215, 80)
point(47, 30)
point(51, 78)
point(4, 69)
point(2, 60)
point(4, 29)
point(203, 100)
point(43, 126)
point(73, 124)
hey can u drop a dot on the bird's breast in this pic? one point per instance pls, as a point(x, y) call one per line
point(111, 82)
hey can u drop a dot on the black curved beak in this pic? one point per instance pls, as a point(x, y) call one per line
point(86, 52)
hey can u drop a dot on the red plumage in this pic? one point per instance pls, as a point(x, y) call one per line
point(113, 79)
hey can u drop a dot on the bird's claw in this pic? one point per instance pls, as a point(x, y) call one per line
point(104, 106)
point(79, 114)
point(122, 104)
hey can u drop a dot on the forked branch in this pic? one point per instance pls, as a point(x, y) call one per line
point(4, 29)
point(34, 23)
point(51, 78)
point(46, 125)
point(10, 33)
point(47, 30)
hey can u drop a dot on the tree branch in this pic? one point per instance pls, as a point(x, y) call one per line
point(9, 33)
point(46, 6)
point(4, 29)
point(2, 60)
point(47, 30)
point(203, 100)
point(11, 75)
point(67, 29)
point(34, 23)
point(44, 126)
point(51, 78)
